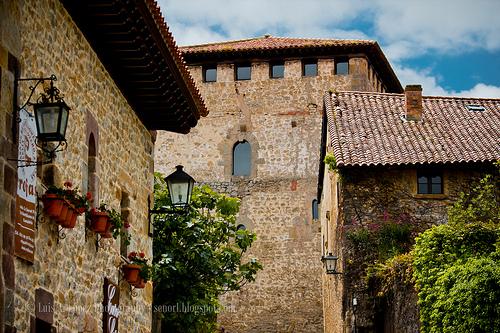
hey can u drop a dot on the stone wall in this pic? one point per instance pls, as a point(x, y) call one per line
point(10, 50)
point(281, 119)
point(72, 270)
point(365, 197)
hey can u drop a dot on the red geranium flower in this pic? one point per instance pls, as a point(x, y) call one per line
point(126, 225)
point(142, 255)
point(68, 184)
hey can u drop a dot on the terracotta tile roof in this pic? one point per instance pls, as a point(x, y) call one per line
point(272, 43)
point(269, 47)
point(368, 129)
point(155, 11)
point(133, 42)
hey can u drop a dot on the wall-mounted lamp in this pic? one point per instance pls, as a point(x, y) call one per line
point(180, 187)
point(330, 262)
point(51, 116)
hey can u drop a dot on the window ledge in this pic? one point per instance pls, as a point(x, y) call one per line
point(431, 196)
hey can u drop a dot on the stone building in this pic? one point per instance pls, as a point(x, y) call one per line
point(402, 159)
point(123, 77)
point(261, 143)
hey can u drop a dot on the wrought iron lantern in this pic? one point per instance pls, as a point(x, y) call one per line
point(51, 115)
point(51, 120)
point(330, 262)
point(180, 187)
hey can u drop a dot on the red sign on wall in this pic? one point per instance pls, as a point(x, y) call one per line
point(111, 307)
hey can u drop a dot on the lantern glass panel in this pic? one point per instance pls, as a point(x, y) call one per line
point(331, 264)
point(179, 193)
point(48, 118)
point(64, 121)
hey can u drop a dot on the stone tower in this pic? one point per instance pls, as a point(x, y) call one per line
point(261, 142)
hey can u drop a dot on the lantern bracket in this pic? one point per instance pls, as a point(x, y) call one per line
point(51, 93)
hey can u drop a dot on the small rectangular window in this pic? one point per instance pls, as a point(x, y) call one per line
point(429, 182)
point(310, 67)
point(243, 72)
point(277, 70)
point(341, 66)
point(210, 73)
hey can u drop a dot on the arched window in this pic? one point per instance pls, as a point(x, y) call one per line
point(315, 214)
point(241, 158)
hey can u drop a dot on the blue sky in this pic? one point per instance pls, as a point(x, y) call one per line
point(451, 47)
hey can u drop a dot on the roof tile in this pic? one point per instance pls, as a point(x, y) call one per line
point(269, 42)
point(368, 129)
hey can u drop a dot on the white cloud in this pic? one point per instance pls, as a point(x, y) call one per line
point(243, 19)
point(429, 83)
point(438, 26)
point(194, 34)
point(406, 28)
point(431, 87)
point(481, 90)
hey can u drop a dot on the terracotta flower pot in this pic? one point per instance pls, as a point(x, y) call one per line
point(99, 222)
point(131, 273)
point(140, 284)
point(65, 213)
point(70, 221)
point(107, 233)
point(53, 205)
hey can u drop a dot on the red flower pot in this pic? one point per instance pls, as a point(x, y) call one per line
point(131, 273)
point(70, 221)
point(140, 284)
point(99, 222)
point(107, 233)
point(53, 205)
point(65, 213)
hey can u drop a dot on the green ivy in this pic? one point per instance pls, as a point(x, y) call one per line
point(457, 274)
point(382, 241)
point(457, 265)
point(398, 269)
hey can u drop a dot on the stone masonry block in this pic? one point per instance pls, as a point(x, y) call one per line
point(9, 180)
point(9, 313)
point(4, 54)
point(8, 270)
point(8, 238)
point(13, 211)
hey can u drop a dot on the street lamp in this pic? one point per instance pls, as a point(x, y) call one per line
point(330, 262)
point(51, 116)
point(51, 120)
point(180, 186)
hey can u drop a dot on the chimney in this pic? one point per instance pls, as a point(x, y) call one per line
point(413, 101)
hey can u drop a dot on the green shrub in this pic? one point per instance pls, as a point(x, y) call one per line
point(331, 161)
point(458, 278)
